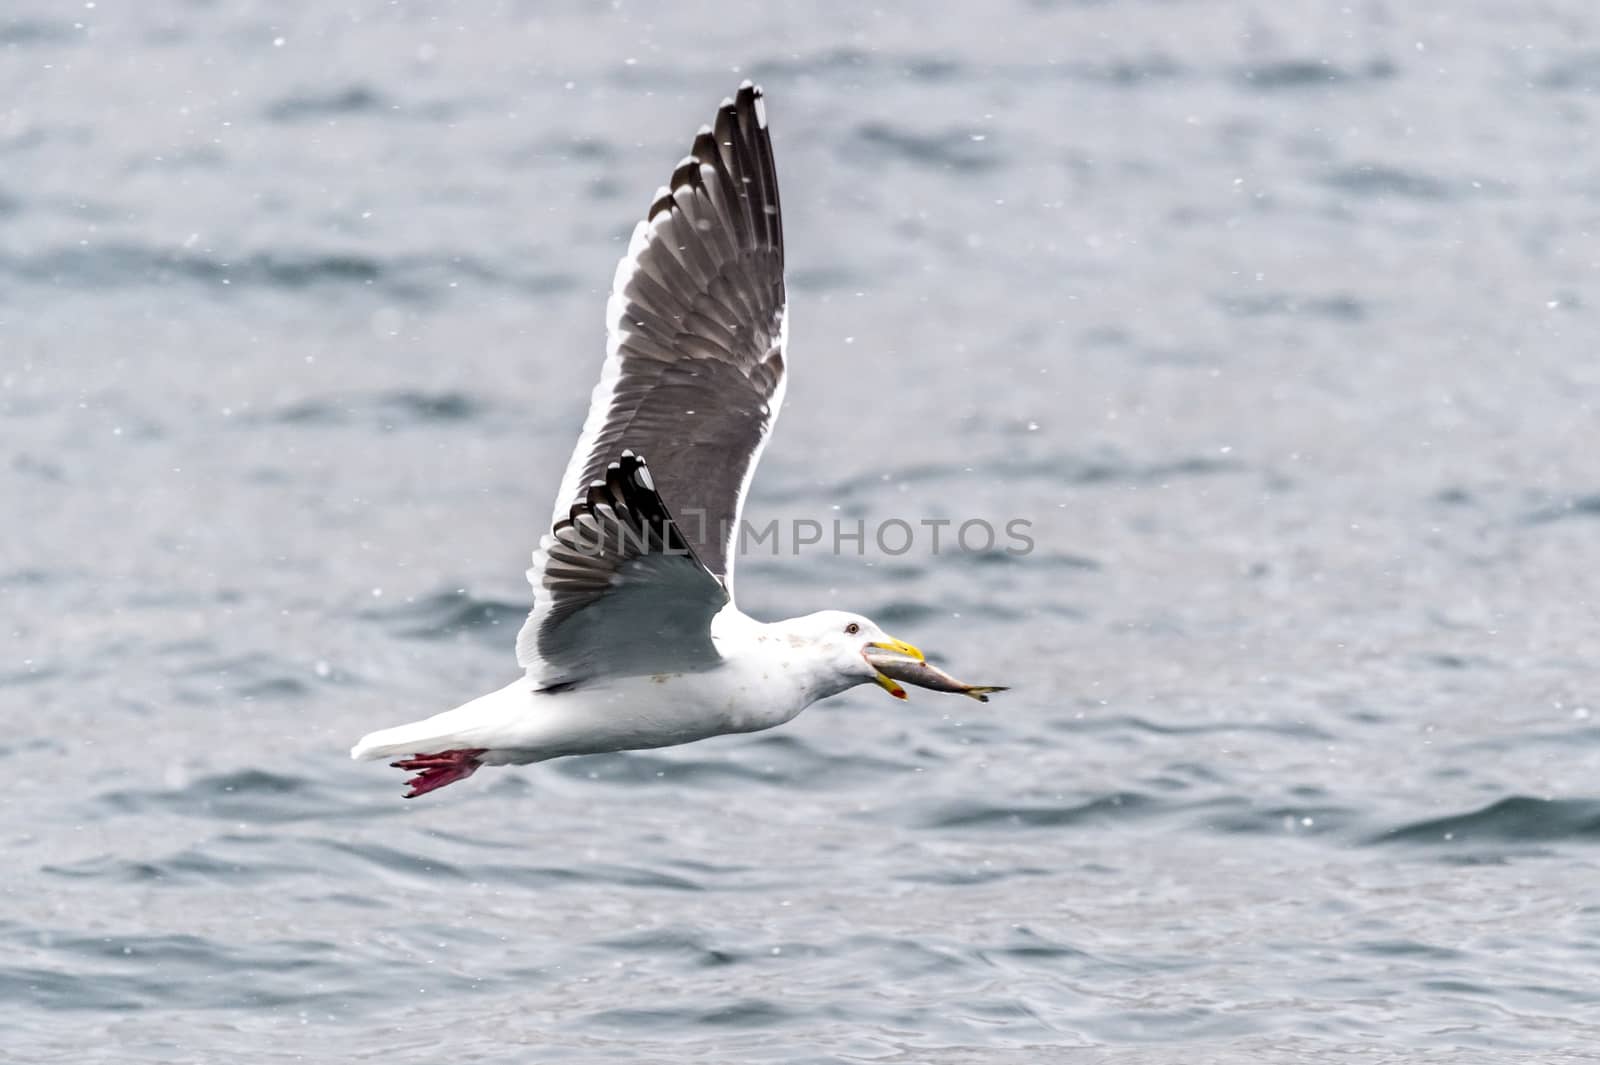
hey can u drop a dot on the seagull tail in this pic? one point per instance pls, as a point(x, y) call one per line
point(480, 724)
point(403, 739)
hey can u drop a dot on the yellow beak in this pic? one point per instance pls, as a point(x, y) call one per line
point(890, 686)
point(898, 647)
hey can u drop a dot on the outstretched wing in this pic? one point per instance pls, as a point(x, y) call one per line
point(694, 369)
point(619, 590)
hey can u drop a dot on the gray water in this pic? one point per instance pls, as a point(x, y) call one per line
point(1276, 322)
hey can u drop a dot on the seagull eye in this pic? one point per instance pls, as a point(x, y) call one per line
point(851, 629)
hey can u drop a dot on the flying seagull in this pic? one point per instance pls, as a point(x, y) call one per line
point(634, 640)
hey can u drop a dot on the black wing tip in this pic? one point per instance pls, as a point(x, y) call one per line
point(746, 112)
point(704, 149)
point(749, 100)
point(625, 476)
point(629, 471)
point(687, 172)
point(662, 203)
point(752, 100)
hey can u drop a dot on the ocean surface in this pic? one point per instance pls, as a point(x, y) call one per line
point(1276, 324)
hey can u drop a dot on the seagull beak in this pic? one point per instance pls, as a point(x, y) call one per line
point(896, 647)
point(890, 686)
point(900, 647)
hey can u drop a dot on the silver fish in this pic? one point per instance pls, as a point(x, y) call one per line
point(893, 666)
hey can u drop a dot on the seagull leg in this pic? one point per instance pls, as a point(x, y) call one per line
point(437, 770)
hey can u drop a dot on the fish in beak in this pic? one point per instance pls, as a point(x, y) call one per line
point(896, 649)
point(895, 660)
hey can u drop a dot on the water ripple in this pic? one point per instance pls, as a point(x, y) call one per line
point(1577, 506)
point(1514, 819)
point(774, 760)
point(1379, 180)
point(385, 411)
point(405, 278)
point(250, 795)
point(126, 972)
point(450, 616)
point(1099, 810)
point(960, 150)
point(354, 101)
point(1294, 74)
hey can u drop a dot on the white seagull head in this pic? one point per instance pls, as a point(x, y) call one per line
point(840, 643)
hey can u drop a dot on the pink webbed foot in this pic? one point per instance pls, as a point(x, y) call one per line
point(437, 770)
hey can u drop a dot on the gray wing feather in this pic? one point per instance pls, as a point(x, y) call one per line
point(621, 590)
point(693, 380)
point(694, 375)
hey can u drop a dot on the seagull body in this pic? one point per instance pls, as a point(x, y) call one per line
point(634, 640)
point(764, 679)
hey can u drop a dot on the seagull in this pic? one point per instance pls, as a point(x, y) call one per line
point(634, 640)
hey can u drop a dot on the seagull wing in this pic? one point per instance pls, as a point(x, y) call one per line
point(694, 369)
point(692, 381)
point(621, 591)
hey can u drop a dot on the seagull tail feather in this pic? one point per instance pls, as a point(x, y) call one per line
point(479, 724)
point(402, 739)
point(448, 731)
